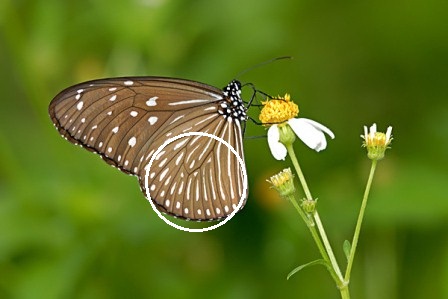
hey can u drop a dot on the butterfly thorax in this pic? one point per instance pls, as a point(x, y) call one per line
point(232, 106)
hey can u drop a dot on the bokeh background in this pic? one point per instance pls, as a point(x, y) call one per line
point(72, 227)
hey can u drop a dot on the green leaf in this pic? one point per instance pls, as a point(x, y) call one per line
point(316, 262)
point(347, 247)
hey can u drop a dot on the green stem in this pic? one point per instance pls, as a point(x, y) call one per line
point(329, 255)
point(314, 233)
point(327, 245)
point(359, 222)
point(345, 294)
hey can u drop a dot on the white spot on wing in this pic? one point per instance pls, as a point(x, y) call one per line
point(151, 101)
point(79, 106)
point(152, 120)
point(112, 89)
point(134, 113)
point(115, 130)
point(132, 141)
point(113, 98)
point(128, 82)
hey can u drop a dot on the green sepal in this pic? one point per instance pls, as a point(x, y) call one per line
point(316, 262)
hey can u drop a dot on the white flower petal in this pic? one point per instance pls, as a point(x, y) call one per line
point(373, 129)
point(388, 133)
point(319, 126)
point(310, 132)
point(278, 150)
point(365, 132)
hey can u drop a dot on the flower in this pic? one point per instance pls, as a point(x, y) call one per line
point(376, 142)
point(279, 113)
point(283, 182)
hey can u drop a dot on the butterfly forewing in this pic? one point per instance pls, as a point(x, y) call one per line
point(126, 120)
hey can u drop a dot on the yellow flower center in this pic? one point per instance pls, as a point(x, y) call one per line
point(377, 139)
point(278, 110)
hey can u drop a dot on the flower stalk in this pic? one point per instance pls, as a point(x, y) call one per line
point(359, 221)
point(328, 255)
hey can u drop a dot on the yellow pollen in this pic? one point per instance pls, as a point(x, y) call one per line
point(278, 110)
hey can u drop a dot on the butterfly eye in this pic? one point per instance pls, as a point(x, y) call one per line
point(125, 121)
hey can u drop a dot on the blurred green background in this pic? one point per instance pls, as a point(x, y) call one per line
point(72, 227)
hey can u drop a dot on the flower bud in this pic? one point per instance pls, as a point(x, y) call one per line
point(283, 182)
point(309, 205)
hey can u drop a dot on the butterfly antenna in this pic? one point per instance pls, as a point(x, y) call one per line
point(262, 64)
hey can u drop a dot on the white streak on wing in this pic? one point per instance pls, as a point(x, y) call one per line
point(205, 189)
point(193, 151)
point(173, 188)
point(239, 150)
point(188, 187)
point(229, 160)
point(163, 162)
point(180, 144)
point(179, 158)
point(206, 119)
point(197, 186)
point(188, 102)
point(206, 147)
point(163, 174)
point(230, 164)
point(218, 167)
point(212, 184)
point(214, 95)
point(177, 118)
point(181, 188)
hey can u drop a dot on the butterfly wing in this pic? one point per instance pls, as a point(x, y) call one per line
point(125, 120)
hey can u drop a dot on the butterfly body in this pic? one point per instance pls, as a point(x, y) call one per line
point(125, 120)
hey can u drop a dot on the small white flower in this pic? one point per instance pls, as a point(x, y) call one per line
point(309, 131)
point(376, 142)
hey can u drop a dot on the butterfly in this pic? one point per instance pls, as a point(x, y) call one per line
point(125, 120)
